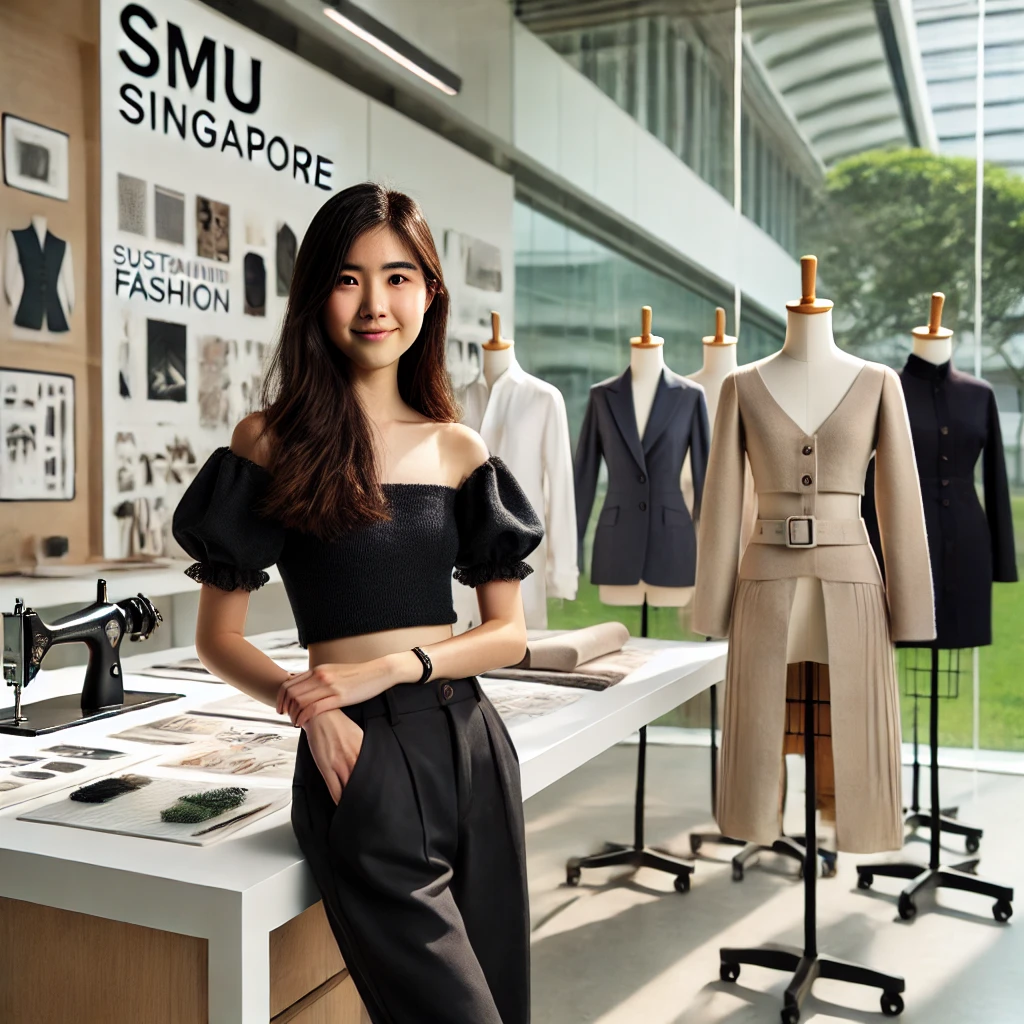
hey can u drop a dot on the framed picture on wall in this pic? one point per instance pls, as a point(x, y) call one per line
point(35, 158)
point(37, 422)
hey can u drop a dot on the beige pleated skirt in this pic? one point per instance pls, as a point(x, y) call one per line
point(864, 714)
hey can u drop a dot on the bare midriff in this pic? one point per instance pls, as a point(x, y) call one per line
point(827, 506)
point(367, 646)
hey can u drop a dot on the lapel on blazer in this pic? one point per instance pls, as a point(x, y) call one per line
point(620, 401)
point(661, 410)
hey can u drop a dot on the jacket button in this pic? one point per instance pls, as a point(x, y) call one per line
point(945, 458)
point(643, 506)
point(943, 430)
point(806, 480)
point(945, 501)
point(642, 478)
point(945, 483)
point(808, 450)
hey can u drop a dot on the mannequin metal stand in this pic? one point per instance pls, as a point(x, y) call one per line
point(785, 846)
point(637, 855)
point(916, 818)
point(933, 875)
point(808, 964)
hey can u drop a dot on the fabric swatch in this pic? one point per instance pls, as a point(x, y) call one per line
point(131, 204)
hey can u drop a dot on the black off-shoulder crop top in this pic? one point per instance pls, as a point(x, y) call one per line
point(383, 576)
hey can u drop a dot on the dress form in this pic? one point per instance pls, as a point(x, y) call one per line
point(934, 343)
point(808, 378)
point(646, 363)
point(497, 352)
point(719, 362)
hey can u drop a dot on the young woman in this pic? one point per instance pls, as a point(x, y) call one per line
point(359, 483)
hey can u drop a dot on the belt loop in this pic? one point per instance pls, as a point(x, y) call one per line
point(389, 699)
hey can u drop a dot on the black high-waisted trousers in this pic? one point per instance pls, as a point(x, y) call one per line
point(422, 863)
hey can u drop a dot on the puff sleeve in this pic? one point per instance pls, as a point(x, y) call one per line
point(216, 523)
point(497, 525)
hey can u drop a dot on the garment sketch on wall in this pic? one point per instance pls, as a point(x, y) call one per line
point(143, 526)
point(465, 364)
point(39, 279)
point(213, 230)
point(37, 418)
point(255, 232)
point(166, 367)
point(214, 403)
point(126, 453)
point(246, 378)
point(168, 215)
point(125, 352)
point(131, 204)
point(255, 273)
point(473, 273)
point(35, 158)
point(286, 248)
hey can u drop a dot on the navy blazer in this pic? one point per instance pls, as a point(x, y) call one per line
point(644, 531)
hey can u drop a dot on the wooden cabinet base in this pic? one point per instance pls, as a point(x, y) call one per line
point(61, 966)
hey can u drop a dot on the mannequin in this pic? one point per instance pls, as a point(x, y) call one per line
point(646, 363)
point(498, 352)
point(934, 343)
point(50, 318)
point(523, 421)
point(719, 362)
point(808, 378)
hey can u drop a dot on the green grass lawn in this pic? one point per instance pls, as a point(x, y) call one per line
point(1001, 665)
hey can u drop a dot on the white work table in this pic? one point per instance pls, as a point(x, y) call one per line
point(235, 892)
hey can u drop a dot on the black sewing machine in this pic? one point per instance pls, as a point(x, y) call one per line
point(101, 626)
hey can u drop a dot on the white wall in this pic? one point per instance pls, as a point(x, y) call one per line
point(564, 123)
point(472, 38)
point(303, 105)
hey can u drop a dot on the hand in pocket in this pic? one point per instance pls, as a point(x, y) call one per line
point(335, 742)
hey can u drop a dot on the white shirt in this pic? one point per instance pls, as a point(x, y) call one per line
point(523, 421)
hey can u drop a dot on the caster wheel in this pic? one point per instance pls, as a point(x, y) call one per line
point(728, 972)
point(865, 880)
point(790, 1015)
point(737, 872)
point(682, 883)
point(892, 1004)
point(906, 908)
point(828, 867)
point(572, 874)
point(695, 844)
point(1003, 910)
point(973, 844)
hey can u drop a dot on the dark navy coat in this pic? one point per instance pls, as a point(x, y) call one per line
point(644, 531)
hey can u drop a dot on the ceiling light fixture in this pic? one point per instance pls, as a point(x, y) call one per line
point(391, 44)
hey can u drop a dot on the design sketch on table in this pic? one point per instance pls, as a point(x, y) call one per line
point(27, 776)
point(179, 729)
point(137, 812)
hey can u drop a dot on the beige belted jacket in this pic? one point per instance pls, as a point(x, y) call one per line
point(749, 599)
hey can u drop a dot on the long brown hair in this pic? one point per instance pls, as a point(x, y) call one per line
point(325, 477)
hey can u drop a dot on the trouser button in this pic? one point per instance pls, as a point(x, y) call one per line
point(448, 691)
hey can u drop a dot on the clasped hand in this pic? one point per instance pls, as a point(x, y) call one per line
point(307, 694)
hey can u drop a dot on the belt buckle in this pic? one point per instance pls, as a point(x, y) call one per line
point(799, 527)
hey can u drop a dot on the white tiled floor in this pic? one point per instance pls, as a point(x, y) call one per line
point(633, 951)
